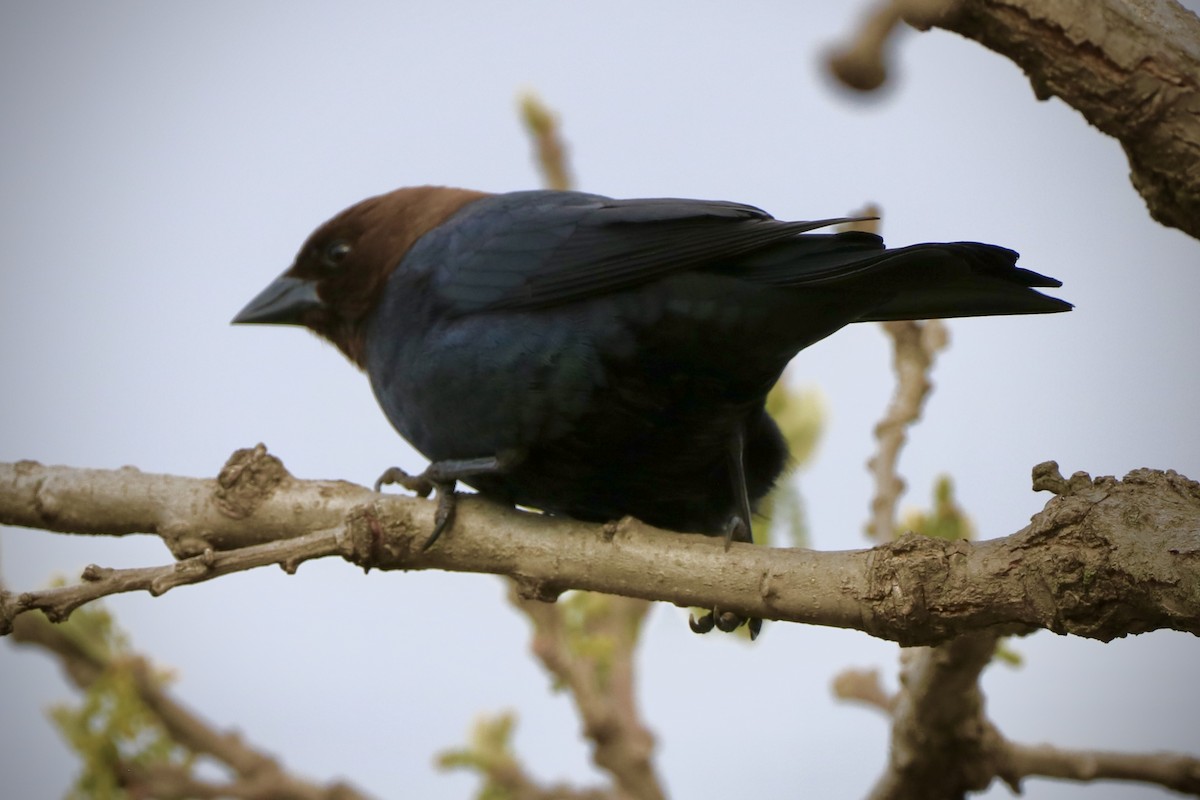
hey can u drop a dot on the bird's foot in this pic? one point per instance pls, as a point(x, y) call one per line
point(737, 529)
point(726, 621)
point(443, 476)
point(423, 485)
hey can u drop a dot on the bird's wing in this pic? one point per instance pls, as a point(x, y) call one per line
point(536, 249)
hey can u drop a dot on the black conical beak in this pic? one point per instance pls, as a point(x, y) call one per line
point(282, 303)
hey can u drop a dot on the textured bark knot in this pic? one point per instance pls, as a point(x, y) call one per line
point(371, 542)
point(247, 480)
point(1047, 478)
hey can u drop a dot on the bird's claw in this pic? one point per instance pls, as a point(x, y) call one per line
point(736, 531)
point(422, 485)
point(394, 476)
point(443, 518)
point(702, 625)
point(727, 621)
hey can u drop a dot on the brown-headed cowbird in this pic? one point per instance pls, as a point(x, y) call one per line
point(597, 358)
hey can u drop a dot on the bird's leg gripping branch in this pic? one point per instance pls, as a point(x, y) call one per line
point(442, 476)
point(737, 529)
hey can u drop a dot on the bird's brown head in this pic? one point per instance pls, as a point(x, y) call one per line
point(339, 274)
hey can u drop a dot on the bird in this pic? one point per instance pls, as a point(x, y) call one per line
point(597, 358)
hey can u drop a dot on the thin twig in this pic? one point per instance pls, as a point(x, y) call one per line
point(915, 349)
point(863, 686)
point(915, 346)
point(97, 582)
point(549, 148)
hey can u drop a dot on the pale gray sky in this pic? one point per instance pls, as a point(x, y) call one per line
point(162, 162)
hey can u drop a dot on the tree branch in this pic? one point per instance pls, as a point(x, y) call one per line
point(98, 582)
point(189, 516)
point(943, 745)
point(1105, 559)
point(1015, 762)
point(1131, 67)
point(938, 736)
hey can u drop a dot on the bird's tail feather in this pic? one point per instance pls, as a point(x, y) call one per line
point(958, 279)
point(924, 281)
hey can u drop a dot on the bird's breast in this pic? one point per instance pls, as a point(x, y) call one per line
point(481, 384)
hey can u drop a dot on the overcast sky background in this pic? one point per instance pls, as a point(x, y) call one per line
point(162, 162)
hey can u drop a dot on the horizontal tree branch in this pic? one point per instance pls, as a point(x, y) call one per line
point(1105, 558)
point(190, 516)
point(1172, 770)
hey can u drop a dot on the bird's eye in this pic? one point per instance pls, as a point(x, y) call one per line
point(336, 252)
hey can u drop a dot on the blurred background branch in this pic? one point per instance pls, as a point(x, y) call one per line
point(1130, 67)
point(135, 740)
